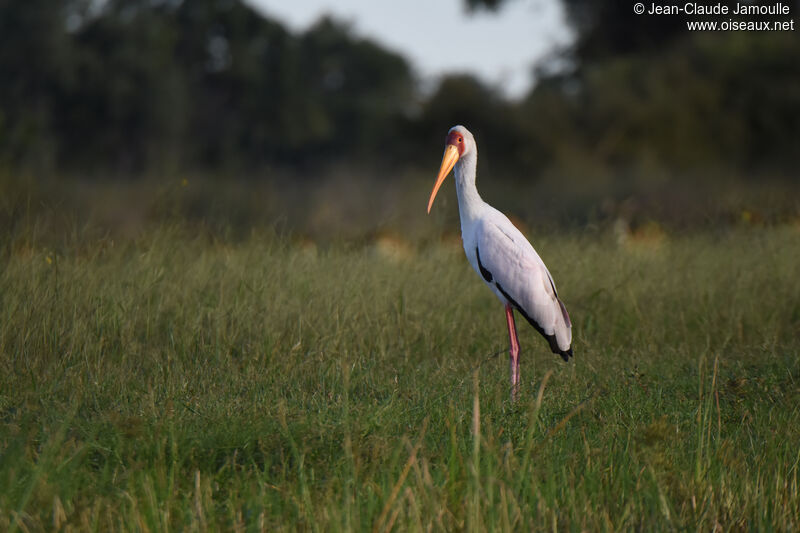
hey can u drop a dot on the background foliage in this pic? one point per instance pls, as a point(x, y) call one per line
point(137, 86)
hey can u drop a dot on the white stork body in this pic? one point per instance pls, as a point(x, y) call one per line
point(503, 257)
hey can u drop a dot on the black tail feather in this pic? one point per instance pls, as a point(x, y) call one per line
point(565, 354)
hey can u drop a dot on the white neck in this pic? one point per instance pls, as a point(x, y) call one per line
point(469, 201)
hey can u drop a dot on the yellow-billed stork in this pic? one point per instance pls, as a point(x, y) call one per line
point(503, 257)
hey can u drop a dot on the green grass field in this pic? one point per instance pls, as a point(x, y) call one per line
point(175, 381)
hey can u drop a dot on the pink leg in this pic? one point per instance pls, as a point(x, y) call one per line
point(513, 351)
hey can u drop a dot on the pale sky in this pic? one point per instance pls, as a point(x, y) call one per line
point(439, 36)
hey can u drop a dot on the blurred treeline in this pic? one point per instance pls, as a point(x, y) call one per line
point(637, 107)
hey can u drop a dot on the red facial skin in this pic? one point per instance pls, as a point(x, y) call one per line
point(457, 140)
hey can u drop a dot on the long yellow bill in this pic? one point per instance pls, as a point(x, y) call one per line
point(448, 162)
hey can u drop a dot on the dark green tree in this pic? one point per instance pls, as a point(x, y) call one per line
point(138, 85)
point(35, 65)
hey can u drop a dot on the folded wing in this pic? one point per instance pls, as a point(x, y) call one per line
point(520, 277)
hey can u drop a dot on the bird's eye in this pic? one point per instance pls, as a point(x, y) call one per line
point(460, 139)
